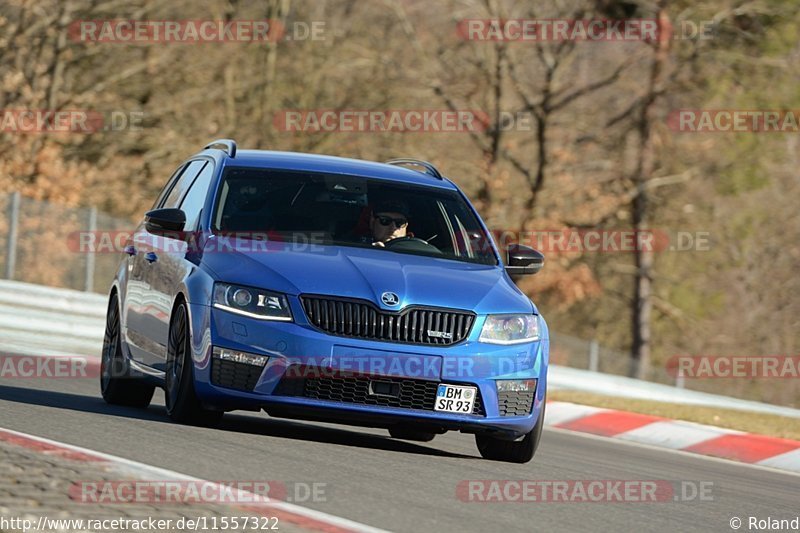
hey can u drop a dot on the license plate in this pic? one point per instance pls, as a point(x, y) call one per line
point(455, 399)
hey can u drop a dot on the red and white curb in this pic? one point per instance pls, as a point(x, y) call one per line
point(287, 512)
point(718, 442)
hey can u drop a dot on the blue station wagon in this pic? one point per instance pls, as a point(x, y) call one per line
point(327, 289)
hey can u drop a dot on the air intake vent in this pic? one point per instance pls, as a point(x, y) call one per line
point(406, 393)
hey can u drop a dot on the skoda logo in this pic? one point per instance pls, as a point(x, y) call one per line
point(390, 298)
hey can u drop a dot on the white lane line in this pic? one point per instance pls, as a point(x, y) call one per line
point(137, 469)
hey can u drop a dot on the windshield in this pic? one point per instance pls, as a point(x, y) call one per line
point(351, 211)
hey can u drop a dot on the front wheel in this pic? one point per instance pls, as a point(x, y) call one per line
point(181, 400)
point(512, 451)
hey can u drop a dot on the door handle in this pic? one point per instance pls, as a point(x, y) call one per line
point(130, 250)
point(151, 257)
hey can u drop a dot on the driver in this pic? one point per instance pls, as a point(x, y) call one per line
point(389, 221)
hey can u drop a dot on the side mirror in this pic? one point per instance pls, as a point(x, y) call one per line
point(164, 221)
point(523, 260)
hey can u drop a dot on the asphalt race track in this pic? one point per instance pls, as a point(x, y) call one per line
point(398, 485)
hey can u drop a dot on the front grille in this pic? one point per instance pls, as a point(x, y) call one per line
point(309, 382)
point(516, 403)
point(361, 319)
point(233, 375)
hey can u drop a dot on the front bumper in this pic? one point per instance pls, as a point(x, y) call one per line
point(297, 344)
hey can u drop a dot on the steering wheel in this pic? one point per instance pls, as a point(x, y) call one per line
point(397, 240)
point(412, 244)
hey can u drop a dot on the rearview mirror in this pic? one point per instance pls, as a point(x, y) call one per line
point(164, 221)
point(522, 260)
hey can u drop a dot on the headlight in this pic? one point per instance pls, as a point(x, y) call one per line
point(510, 329)
point(255, 303)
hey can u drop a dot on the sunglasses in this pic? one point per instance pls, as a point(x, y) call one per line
point(385, 221)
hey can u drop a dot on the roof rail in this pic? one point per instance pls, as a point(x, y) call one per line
point(429, 168)
point(226, 145)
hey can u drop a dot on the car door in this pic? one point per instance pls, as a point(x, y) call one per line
point(139, 306)
point(168, 264)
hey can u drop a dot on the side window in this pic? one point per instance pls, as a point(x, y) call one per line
point(192, 203)
point(170, 182)
point(183, 184)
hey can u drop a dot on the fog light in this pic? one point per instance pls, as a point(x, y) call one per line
point(516, 385)
point(224, 354)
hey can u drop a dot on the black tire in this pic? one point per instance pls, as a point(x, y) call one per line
point(512, 451)
point(182, 403)
point(410, 434)
point(116, 384)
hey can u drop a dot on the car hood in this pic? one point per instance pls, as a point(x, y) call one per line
point(367, 273)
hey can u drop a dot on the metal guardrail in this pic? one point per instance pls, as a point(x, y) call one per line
point(41, 320)
point(49, 321)
point(566, 378)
